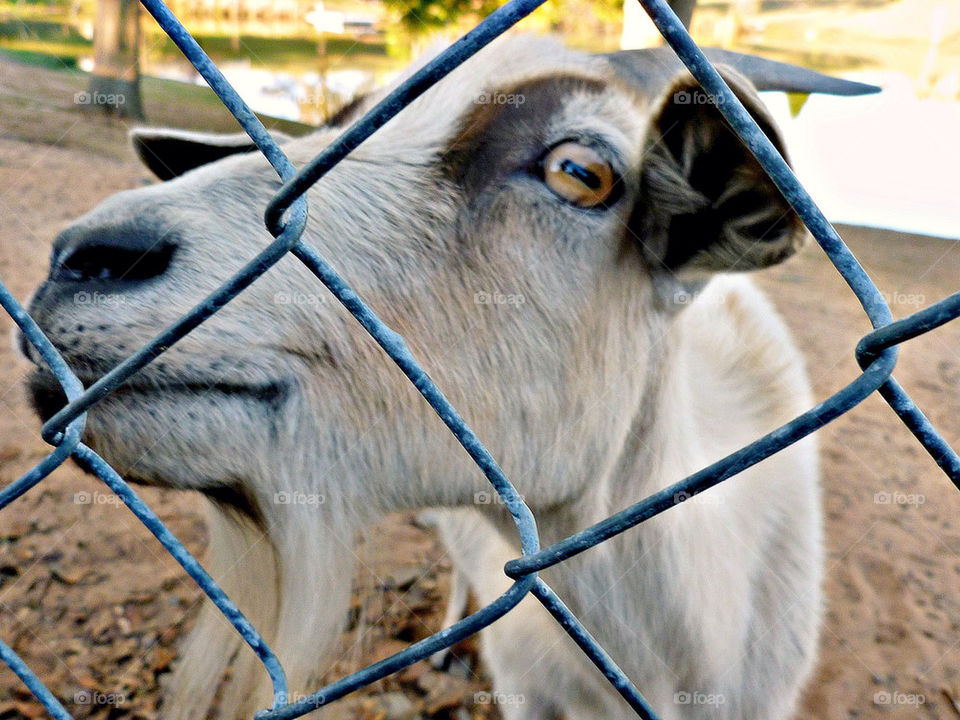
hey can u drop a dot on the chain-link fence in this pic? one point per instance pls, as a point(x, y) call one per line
point(286, 216)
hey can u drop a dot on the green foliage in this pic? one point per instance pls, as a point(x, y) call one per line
point(584, 23)
point(40, 30)
point(421, 17)
point(41, 59)
point(46, 3)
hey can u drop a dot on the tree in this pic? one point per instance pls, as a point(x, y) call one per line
point(419, 18)
point(684, 10)
point(115, 83)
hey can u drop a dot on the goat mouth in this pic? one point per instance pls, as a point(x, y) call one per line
point(47, 397)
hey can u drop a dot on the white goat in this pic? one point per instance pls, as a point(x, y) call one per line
point(597, 195)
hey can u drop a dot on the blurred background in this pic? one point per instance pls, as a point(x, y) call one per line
point(95, 606)
point(300, 60)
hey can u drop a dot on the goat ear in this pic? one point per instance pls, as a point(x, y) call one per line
point(169, 153)
point(705, 203)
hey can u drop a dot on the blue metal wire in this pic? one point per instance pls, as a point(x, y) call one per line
point(286, 216)
point(95, 464)
point(498, 22)
point(406, 657)
point(592, 649)
point(33, 683)
point(72, 389)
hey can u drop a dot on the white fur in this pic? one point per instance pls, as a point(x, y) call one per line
point(594, 392)
point(680, 600)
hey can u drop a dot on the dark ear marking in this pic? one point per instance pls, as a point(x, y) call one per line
point(705, 202)
point(169, 153)
point(348, 112)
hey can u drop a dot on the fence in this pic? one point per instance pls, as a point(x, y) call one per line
point(285, 218)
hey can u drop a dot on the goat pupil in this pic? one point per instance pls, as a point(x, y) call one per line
point(591, 180)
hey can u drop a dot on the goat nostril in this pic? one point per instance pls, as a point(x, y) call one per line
point(109, 262)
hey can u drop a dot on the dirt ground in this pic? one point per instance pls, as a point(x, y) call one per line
point(95, 606)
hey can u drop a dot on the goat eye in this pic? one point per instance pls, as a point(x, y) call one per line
point(578, 174)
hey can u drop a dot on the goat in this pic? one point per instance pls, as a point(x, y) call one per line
point(612, 210)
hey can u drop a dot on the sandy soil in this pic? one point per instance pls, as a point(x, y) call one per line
point(95, 605)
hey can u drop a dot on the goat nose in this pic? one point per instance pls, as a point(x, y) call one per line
point(111, 254)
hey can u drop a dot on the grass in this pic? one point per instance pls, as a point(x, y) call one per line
point(41, 55)
point(32, 36)
point(35, 11)
point(38, 106)
point(40, 30)
point(54, 45)
point(279, 54)
point(44, 42)
point(177, 104)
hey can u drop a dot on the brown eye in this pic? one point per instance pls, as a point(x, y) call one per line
point(578, 174)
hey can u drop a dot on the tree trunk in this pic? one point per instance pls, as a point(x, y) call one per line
point(684, 10)
point(115, 83)
point(640, 32)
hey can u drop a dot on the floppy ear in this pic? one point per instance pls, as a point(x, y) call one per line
point(169, 153)
point(705, 203)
